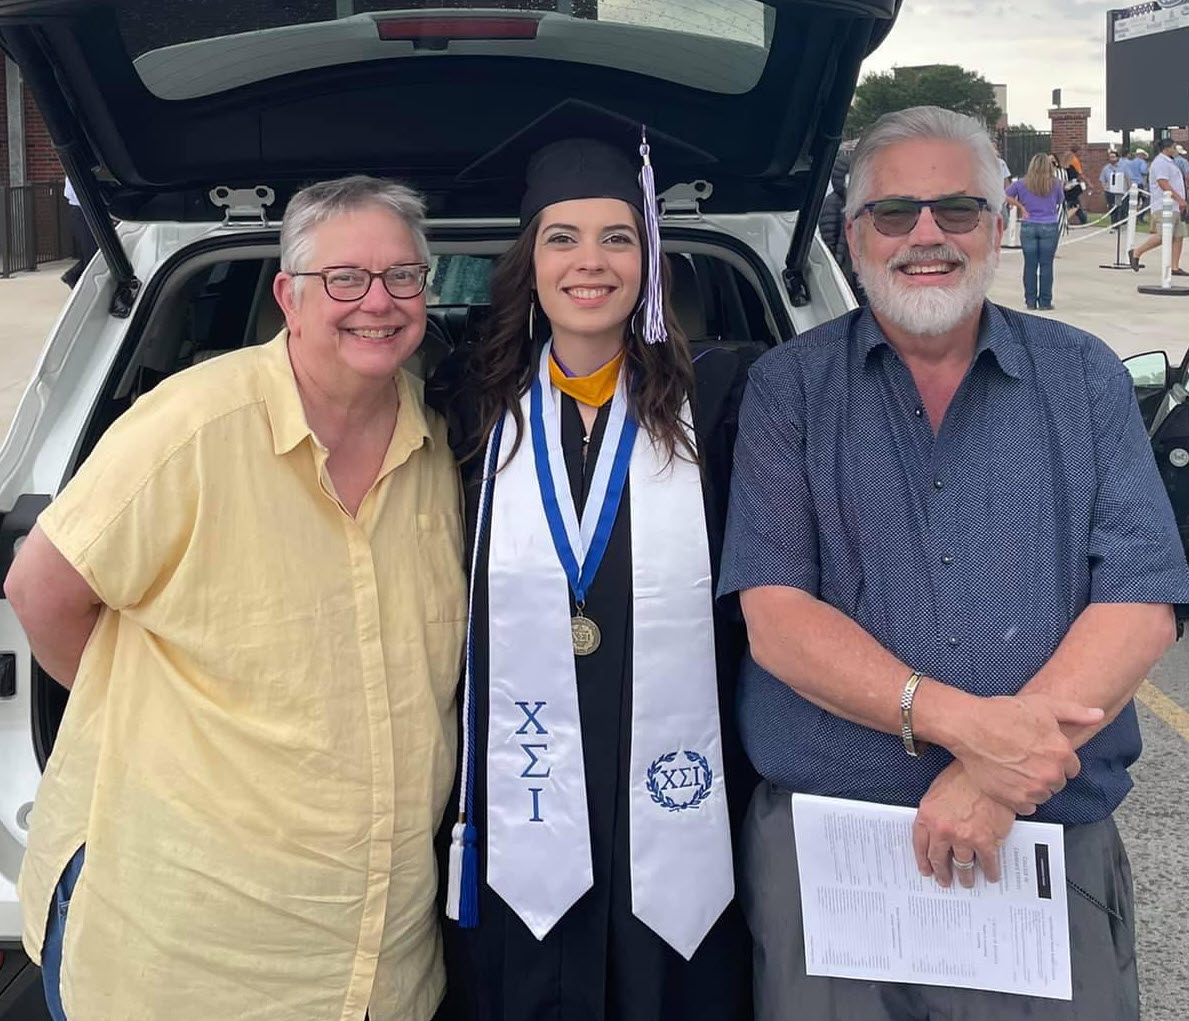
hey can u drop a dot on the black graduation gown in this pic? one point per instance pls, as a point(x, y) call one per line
point(600, 963)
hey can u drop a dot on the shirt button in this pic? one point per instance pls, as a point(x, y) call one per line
point(919, 411)
point(952, 642)
point(938, 484)
point(946, 558)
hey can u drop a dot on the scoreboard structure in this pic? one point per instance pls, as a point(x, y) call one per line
point(1147, 66)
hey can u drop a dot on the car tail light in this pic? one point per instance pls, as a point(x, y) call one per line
point(412, 29)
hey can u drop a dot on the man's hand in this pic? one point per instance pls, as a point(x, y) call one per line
point(1013, 749)
point(958, 822)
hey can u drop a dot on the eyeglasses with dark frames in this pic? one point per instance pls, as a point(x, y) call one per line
point(350, 283)
point(954, 214)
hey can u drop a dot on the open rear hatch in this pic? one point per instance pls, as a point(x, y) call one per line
point(153, 105)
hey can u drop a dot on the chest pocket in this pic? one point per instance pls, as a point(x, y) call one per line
point(439, 553)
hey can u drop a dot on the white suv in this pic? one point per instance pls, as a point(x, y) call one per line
point(192, 123)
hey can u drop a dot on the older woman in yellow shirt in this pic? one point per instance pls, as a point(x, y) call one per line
point(254, 589)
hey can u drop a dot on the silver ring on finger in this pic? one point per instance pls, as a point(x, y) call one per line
point(965, 866)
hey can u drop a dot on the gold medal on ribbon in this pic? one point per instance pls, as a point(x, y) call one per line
point(585, 633)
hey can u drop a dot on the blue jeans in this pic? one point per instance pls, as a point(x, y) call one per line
point(51, 950)
point(1039, 243)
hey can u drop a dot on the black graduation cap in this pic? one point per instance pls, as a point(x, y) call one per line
point(577, 150)
point(578, 168)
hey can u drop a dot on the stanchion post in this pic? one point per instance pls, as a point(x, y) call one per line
point(1132, 214)
point(1013, 228)
point(1118, 231)
point(1168, 211)
point(1166, 231)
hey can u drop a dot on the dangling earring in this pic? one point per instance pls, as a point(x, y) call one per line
point(635, 329)
point(532, 314)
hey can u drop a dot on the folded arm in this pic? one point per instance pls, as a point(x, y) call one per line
point(1012, 747)
point(1104, 658)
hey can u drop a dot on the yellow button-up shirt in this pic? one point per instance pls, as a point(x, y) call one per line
point(260, 739)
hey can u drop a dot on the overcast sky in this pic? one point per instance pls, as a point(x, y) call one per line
point(1031, 46)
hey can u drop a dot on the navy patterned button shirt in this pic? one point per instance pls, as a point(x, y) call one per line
point(968, 555)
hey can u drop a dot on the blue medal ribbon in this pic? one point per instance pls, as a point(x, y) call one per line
point(579, 576)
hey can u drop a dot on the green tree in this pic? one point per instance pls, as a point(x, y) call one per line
point(944, 85)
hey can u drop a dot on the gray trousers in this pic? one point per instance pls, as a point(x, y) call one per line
point(1102, 939)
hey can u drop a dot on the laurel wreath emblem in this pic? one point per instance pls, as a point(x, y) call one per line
point(700, 795)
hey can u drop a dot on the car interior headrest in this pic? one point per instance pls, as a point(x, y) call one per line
point(685, 297)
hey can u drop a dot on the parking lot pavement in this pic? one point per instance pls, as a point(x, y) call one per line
point(1153, 823)
point(29, 306)
point(1153, 818)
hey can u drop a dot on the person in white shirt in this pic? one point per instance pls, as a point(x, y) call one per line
point(1181, 161)
point(1004, 170)
point(1164, 177)
point(1114, 184)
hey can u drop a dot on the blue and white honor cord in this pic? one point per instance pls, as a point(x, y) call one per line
point(462, 884)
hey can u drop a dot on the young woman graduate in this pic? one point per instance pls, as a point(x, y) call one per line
point(590, 871)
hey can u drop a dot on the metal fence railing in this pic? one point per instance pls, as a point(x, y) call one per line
point(34, 226)
point(1018, 147)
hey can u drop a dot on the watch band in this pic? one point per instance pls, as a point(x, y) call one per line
point(906, 697)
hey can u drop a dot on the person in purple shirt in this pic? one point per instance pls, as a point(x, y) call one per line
point(1038, 196)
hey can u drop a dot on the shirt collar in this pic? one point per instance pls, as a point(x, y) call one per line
point(287, 418)
point(994, 335)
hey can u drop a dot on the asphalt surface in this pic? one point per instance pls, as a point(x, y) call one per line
point(1153, 823)
point(1154, 820)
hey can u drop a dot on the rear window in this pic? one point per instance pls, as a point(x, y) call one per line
point(190, 48)
point(216, 305)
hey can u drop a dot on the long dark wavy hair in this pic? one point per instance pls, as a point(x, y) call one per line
point(503, 365)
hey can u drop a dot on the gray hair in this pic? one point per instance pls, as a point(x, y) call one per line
point(925, 123)
point(314, 205)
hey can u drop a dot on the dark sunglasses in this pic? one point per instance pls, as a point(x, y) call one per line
point(954, 214)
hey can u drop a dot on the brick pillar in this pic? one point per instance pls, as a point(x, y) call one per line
point(1069, 128)
point(41, 159)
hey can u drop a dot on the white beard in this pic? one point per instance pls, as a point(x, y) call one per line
point(928, 311)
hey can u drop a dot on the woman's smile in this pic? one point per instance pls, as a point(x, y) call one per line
point(587, 296)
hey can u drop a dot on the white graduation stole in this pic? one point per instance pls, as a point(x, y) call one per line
point(538, 832)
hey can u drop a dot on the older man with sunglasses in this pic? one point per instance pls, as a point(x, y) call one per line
point(957, 563)
point(253, 588)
